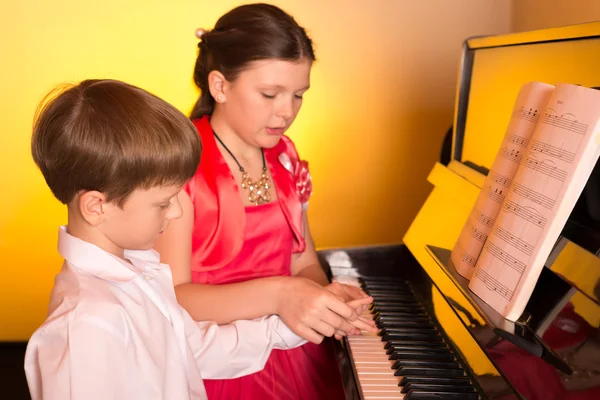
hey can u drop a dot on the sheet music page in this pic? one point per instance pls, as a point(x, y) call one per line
point(530, 103)
point(559, 159)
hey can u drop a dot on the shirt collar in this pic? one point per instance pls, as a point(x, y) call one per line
point(91, 259)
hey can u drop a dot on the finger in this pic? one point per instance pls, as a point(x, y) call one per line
point(349, 328)
point(331, 318)
point(309, 334)
point(338, 306)
point(368, 320)
point(339, 334)
point(354, 292)
point(365, 325)
point(323, 328)
point(358, 303)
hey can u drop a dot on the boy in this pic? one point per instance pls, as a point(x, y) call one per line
point(118, 156)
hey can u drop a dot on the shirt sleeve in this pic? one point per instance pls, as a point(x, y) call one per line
point(83, 359)
point(240, 348)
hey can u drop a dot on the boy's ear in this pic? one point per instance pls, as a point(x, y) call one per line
point(216, 85)
point(93, 207)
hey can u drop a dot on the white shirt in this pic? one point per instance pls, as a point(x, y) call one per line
point(116, 331)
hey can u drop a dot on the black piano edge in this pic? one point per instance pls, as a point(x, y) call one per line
point(520, 333)
point(396, 261)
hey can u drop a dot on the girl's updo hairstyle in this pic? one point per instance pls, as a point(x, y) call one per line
point(245, 34)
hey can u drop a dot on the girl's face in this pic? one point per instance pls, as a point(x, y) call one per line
point(264, 99)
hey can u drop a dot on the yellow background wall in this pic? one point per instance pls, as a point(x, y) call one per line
point(381, 100)
point(528, 15)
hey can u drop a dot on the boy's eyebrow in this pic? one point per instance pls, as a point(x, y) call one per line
point(169, 197)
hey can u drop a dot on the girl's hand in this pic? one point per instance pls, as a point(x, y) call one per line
point(313, 312)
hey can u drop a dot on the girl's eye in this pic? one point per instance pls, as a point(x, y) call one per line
point(299, 97)
point(267, 96)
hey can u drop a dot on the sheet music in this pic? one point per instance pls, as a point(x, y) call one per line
point(531, 100)
point(552, 174)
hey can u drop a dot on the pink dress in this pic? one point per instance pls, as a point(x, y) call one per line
point(233, 243)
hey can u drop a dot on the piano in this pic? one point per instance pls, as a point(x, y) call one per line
point(436, 339)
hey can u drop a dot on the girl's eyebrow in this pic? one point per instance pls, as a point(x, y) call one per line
point(283, 87)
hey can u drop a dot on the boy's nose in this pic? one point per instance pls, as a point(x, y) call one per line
point(175, 211)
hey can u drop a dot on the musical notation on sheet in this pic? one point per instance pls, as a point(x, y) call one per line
point(514, 241)
point(500, 179)
point(469, 259)
point(496, 195)
point(494, 285)
point(534, 196)
point(485, 220)
point(530, 115)
point(547, 168)
point(512, 155)
point(478, 235)
point(553, 151)
point(505, 257)
point(519, 141)
point(565, 123)
point(527, 213)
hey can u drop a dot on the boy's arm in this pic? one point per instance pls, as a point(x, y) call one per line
point(83, 359)
point(240, 348)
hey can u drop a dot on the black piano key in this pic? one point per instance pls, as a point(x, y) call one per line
point(391, 323)
point(406, 324)
point(404, 314)
point(421, 395)
point(406, 330)
point(432, 387)
point(390, 293)
point(457, 380)
point(424, 363)
point(376, 308)
point(429, 371)
point(383, 279)
point(388, 288)
point(411, 318)
point(390, 335)
point(424, 355)
point(399, 307)
point(392, 344)
point(390, 302)
point(432, 331)
point(418, 348)
point(372, 283)
point(385, 311)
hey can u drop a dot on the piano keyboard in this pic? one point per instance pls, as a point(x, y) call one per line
point(409, 358)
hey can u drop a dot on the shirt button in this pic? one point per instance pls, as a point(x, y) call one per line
point(148, 277)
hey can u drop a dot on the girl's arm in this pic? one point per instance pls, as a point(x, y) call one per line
point(306, 265)
point(302, 304)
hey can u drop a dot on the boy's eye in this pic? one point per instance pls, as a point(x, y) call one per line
point(164, 206)
point(268, 96)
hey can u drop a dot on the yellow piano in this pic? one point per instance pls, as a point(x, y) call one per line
point(437, 339)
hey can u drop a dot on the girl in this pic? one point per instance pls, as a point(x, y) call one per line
point(243, 248)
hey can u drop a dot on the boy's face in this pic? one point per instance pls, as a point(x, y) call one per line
point(144, 216)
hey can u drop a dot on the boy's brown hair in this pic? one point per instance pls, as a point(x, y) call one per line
point(112, 137)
